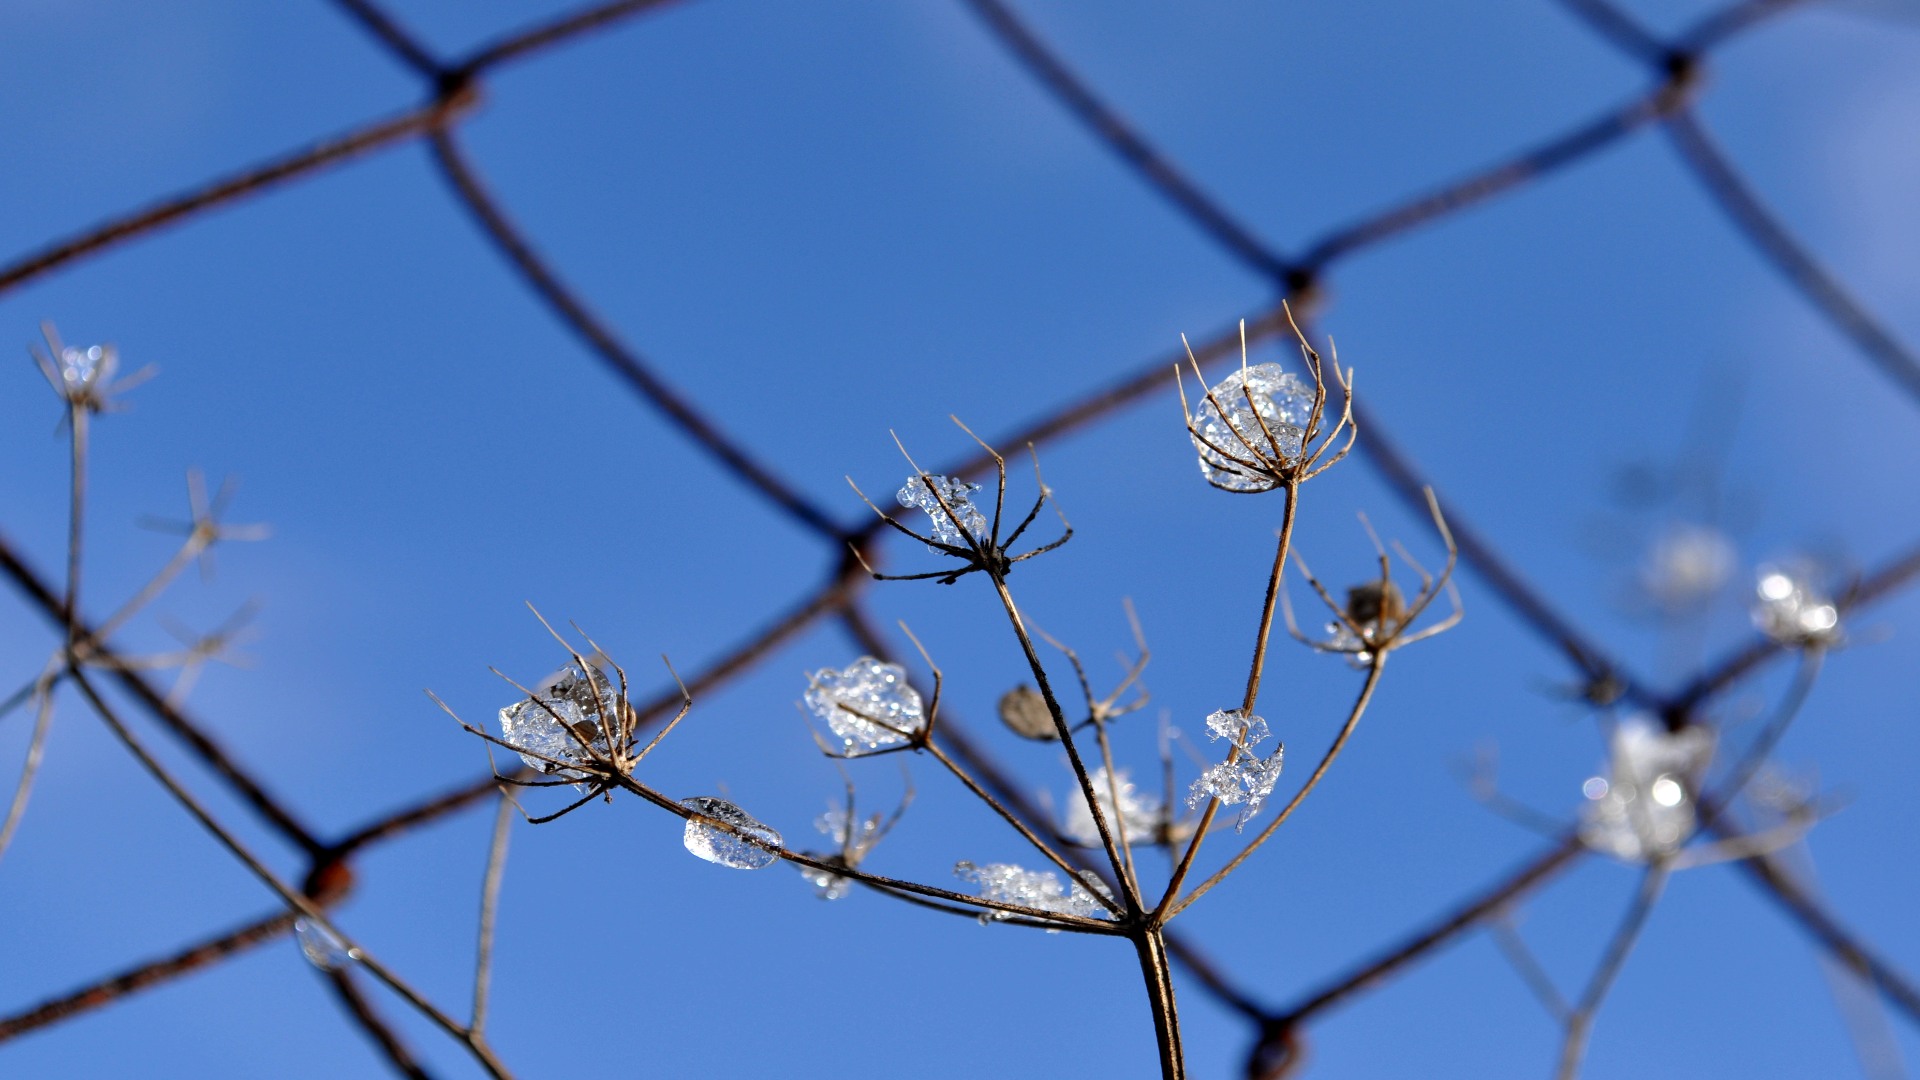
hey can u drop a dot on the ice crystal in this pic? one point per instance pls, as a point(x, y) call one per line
point(1355, 647)
point(1644, 807)
point(1012, 884)
point(87, 369)
point(1247, 779)
point(1145, 816)
point(569, 711)
point(916, 494)
point(852, 838)
point(863, 701)
point(1270, 429)
point(1686, 565)
point(321, 946)
point(746, 846)
point(1793, 610)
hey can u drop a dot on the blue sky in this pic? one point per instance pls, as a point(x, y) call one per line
point(825, 221)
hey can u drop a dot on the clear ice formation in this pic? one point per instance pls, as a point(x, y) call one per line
point(915, 494)
point(87, 368)
point(321, 946)
point(1644, 807)
point(1269, 429)
point(1042, 889)
point(560, 720)
point(725, 847)
point(852, 839)
point(1349, 644)
point(1687, 565)
point(1791, 609)
point(1144, 815)
point(851, 700)
point(1248, 779)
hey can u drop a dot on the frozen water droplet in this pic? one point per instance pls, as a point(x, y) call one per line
point(87, 368)
point(1145, 816)
point(917, 495)
point(1260, 420)
point(743, 847)
point(1663, 765)
point(852, 839)
point(1248, 779)
point(1009, 883)
point(568, 712)
point(1025, 711)
point(868, 704)
point(1791, 609)
point(321, 946)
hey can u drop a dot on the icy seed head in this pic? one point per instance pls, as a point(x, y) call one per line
point(867, 704)
point(1791, 609)
point(1024, 710)
point(1258, 425)
point(1645, 806)
point(1357, 648)
point(915, 494)
point(1012, 884)
point(1687, 565)
point(321, 946)
point(749, 845)
point(1248, 779)
point(1144, 816)
point(570, 711)
point(87, 369)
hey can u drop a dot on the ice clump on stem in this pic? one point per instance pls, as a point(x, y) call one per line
point(1246, 778)
point(1687, 565)
point(747, 845)
point(1645, 807)
point(868, 704)
point(568, 713)
point(917, 495)
point(83, 369)
point(321, 946)
point(1266, 413)
point(852, 838)
point(1143, 815)
point(1009, 883)
point(1791, 609)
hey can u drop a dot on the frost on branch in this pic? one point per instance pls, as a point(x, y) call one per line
point(1644, 807)
point(1145, 817)
point(1245, 779)
point(1792, 610)
point(1265, 418)
point(568, 712)
point(322, 948)
point(1012, 884)
point(852, 838)
point(748, 845)
point(863, 701)
point(915, 494)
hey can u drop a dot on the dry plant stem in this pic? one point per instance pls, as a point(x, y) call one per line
point(1019, 826)
point(381, 1033)
point(1756, 755)
point(1080, 773)
point(489, 908)
point(153, 973)
point(77, 416)
point(1113, 793)
point(1151, 947)
point(174, 719)
point(1527, 966)
point(1255, 670)
point(1326, 762)
point(30, 768)
point(1053, 920)
point(1784, 889)
point(586, 20)
point(397, 40)
point(1580, 1020)
point(307, 908)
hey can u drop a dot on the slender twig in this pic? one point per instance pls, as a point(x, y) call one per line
point(376, 1027)
point(1580, 1020)
point(30, 767)
point(586, 20)
point(489, 908)
point(398, 42)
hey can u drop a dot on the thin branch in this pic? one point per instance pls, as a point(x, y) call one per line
point(385, 29)
point(535, 39)
point(489, 907)
point(377, 1029)
point(1580, 1021)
